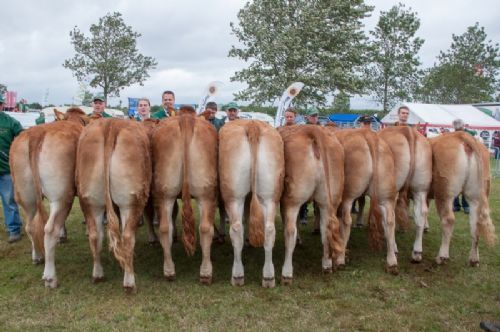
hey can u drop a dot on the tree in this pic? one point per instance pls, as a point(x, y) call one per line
point(342, 102)
point(3, 89)
point(466, 73)
point(109, 59)
point(320, 43)
point(393, 73)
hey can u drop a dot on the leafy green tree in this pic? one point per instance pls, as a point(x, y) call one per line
point(393, 73)
point(320, 43)
point(35, 106)
point(109, 58)
point(3, 89)
point(342, 102)
point(466, 73)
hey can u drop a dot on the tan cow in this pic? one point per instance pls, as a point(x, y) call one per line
point(113, 169)
point(369, 169)
point(185, 162)
point(251, 162)
point(42, 160)
point(461, 165)
point(413, 169)
point(314, 169)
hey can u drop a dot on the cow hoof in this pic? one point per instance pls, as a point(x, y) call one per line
point(426, 230)
point(238, 281)
point(393, 269)
point(327, 270)
point(51, 283)
point(474, 263)
point(442, 260)
point(286, 281)
point(339, 266)
point(153, 242)
point(268, 283)
point(170, 278)
point(96, 280)
point(130, 290)
point(206, 280)
point(416, 257)
point(63, 239)
point(38, 261)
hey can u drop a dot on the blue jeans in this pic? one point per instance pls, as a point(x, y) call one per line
point(10, 209)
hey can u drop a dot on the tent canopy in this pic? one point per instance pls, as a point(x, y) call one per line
point(437, 115)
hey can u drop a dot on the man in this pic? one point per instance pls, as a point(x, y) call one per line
point(459, 125)
point(99, 105)
point(40, 119)
point(9, 129)
point(365, 122)
point(403, 114)
point(312, 114)
point(232, 109)
point(209, 114)
point(167, 102)
point(290, 116)
point(143, 109)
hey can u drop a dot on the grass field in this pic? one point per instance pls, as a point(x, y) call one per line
point(362, 296)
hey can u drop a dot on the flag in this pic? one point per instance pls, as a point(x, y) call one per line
point(210, 91)
point(132, 106)
point(286, 99)
point(10, 99)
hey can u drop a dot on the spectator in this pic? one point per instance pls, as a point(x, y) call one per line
point(312, 114)
point(40, 119)
point(143, 109)
point(403, 114)
point(9, 129)
point(496, 144)
point(209, 114)
point(99, 106)
point(290, 116)
point(167, 103)
point(232, 110)
point(459, 125)
point(365, 121)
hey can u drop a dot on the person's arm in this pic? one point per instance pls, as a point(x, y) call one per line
point(16, 127)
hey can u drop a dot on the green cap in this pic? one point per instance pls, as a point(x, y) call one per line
point(99, 96)
point(312, 111)
point(230, 105)
point(1, 99)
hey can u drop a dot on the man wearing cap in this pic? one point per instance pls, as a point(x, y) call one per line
point(99, 105)
point(365, 121)
point(209, 114)
point(167, 103)
point(232, 109)
point(312, 114)
point(9, 129)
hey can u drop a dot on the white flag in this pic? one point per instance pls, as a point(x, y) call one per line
point(285, 101)
point(210, 91)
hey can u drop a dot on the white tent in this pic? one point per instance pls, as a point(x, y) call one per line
point(442, 116)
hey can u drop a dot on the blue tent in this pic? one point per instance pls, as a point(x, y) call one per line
point(351, 120)
point(337, 118)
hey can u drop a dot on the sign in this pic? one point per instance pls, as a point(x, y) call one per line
point(132, 106)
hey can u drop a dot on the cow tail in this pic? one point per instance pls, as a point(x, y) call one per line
point(256, 221)
point(401, 210)
point(375, 217)
point(485, 227)
point(115, 240)
point(186, 124)
point(335, 241)
point(41, 217)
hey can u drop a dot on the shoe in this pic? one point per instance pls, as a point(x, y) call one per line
point(466, 210)
point(14, 238)
point(456, 209)
point(303, 221)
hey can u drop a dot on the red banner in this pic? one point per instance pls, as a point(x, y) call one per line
point(10, 99)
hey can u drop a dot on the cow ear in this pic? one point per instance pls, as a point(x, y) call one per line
point(59, 115)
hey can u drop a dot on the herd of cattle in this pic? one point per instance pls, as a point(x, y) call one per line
point(122, 170)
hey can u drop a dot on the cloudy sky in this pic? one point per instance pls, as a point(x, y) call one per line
point(189, 39)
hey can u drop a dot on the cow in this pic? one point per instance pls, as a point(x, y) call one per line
point(314, 169)
point(184, 150)
point(460, 164)
point(42, 161)
point(369, 169)
point(113, 171)
point(413, 169)
point(251, 162)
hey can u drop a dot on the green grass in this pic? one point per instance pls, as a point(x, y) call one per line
point(362, 296)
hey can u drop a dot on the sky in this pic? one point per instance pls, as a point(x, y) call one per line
point(189, 39)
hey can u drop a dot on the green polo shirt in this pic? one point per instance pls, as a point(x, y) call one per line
point(9, 129)
point(217, 123)
point(159, 115)
point(40, 120)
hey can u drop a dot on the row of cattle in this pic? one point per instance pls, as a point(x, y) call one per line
point(123, 169)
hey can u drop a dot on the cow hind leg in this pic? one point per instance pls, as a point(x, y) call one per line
point(94, 217)
point(29, 209)
point(345, 229)
point(420, 210)
point(58, 213)
point(291, 212)
point(235, 210)
point(389, 222)
point(444, 208)
point(130, 221)
point(269, 208)
point(207, 213)
point(166, 237)
point(149, 215)
point(473, 217)
point(326, 261)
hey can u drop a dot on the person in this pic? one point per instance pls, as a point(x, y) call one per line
point(143, 109)
point(312, 114)
point(365, 121)
point(209, 114)
point(40, 119)
point(290, 116)
point(99, 106)
point(9, 129)
point(403, 114)
point(167, 103)
point(496, 144)
point(459, 125)
point(232, 110)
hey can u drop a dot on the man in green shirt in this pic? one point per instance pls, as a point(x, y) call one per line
point(210, 111)
point(99, 105)
point(167, 102)
point(9, 129)
point(312, 114)
point(41, 119)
